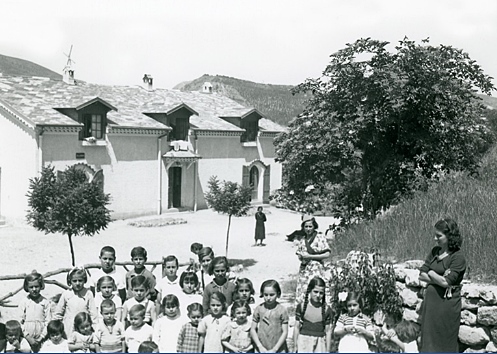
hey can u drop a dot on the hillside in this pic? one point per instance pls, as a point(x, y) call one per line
point(20, 67)
point(274, 101)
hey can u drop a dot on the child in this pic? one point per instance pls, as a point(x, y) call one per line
point(36, 311)
point(75, 300)
point(219, 268)
point(82, 339)
point(244, 290)
point(55, 342)
point(170, 281)
point(148, 347)
point(16, 343)
point(106, 288)
point(138, 331)
point(139, 257)
point(194, 265)
point(270, 320)
point(236, 335)
point(404, 335)
point(188, 337)
point(354, 328)
point(189, 283)
point(109, 333)
point(107, 261)
point(312, 332)
point(211, 326)
point(167, 328)
point(205, 257)
point(139, 286)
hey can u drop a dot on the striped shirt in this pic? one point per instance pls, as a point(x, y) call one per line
point(359, 320)
point(110, 338)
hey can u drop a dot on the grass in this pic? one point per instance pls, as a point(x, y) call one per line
point(406, 231)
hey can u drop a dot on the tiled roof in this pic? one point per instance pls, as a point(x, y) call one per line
point(36, 98)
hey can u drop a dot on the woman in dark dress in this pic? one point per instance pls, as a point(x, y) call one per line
point(260, 230)
point(443, 272)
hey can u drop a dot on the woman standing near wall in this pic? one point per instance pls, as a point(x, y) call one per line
point(443, 272)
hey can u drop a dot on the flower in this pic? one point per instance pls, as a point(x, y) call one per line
point(342, 296)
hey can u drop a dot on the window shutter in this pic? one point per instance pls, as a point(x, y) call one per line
point(266, 188)
point(245, 176)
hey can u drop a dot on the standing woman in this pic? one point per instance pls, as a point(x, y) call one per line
point(314, 253)
point(260, 230)
point(443, 272)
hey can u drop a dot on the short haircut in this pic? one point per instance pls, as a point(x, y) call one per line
point(13, 325)
point(139, 280)
point(106, 278)
point(407, 331)
point(170, 258)
point(55, 327)
point(80, 318)
point(205, 252)
point(239, 304)
point(216, 261)
point(219, 296)
point(190, 277)
point(34, 276)
point(76, 271)
point(195, 307)
point(148, 346)
point(107, 304)
point(170, 300)
point(137, 310)
point(139, 252)
point(196, 247)
point(108, 249)
point(272, 284)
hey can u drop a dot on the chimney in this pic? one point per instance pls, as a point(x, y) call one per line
point(148, 82)
point(68, 76)
point(207, 88)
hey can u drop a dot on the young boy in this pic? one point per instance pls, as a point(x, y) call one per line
point(170, 283)
point(139, 286)
point(109, 332)
point(139, 257)
point(108, 260)
point(139, 331)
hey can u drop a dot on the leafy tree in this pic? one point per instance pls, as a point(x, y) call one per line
point(378, 119)
point(69, 204)
point(228, 198)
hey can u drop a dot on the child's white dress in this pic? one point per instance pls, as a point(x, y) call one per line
point(50, 347)
point(35, 316)
point(166, 333)
point(354, 342)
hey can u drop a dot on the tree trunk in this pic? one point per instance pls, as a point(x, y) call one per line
point(228, 235)
point(72, 249)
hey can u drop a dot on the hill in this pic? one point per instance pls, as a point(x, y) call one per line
point(20, 67)
point(275, 102)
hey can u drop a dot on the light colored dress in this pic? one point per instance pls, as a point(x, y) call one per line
point(213, 328)
point(24, 347)
point(354, 342)
point(166, 332)
point(78, 338)
point(50, 347)
point(35, 316)
point(237, 335)
point(312, 268)
point(70, 305)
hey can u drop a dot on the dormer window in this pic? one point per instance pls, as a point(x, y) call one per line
point(180, 129)
point(93, 126)
point(251, 130)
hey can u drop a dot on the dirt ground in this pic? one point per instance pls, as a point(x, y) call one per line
point(26, 249)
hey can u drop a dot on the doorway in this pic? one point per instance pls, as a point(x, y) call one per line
point(174, 200)
point(254, 182)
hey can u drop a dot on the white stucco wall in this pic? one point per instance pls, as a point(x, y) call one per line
point(18, 163)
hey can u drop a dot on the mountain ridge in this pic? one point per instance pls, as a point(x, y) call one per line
point(12, 66)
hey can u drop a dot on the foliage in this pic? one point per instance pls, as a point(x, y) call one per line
point(373, 127)
point(69, 204)
point(376, 285)
point(406, 231)
point(229, 198)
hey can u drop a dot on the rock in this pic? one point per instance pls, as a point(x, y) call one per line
point(400, 286)
point(473, 336)
point(488, 294)
point(414, 264)
point(493, 334)
point(491, 348)
point(468, 318)
point(470, 290)
point(400, 274)
point(411, 315)
point(469, 350)
point(409, 298)
point(469, 304)
point(412, 277)
point(487, 315)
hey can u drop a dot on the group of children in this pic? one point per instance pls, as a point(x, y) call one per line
point(201, 310)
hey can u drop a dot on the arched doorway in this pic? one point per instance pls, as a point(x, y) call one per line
point(254, 182)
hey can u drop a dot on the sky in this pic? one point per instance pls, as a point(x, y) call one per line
point(116, 42)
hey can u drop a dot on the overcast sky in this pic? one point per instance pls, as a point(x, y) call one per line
point(115, 42)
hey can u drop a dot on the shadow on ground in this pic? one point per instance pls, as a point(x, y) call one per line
point(244, 262)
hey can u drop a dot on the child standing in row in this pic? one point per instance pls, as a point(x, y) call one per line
point(219, 268)
point(139, 258)
point(138, 331)
point(106, 290)
point(188, 337)
point(75, 300)
point(170, 281)
point(312, 332)
point(139, 286)
point(108, 261)
point(56, 338)
point(167, 328)
point(236, 335)
point(270, 320)
point(16, 343)
point(35, 311)
point(211, 326)
point(189, 284)
point(81, 339)
point(109, 332)
point(205, 257)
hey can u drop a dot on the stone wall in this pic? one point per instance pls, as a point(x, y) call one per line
point(478, 329)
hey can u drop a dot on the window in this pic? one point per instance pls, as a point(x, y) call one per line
point(180, 129)
point(251, 129)
point(94, 126)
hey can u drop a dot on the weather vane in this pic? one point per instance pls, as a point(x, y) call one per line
point(69, 60)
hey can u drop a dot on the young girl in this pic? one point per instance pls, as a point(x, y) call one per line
point(167, 328)
point(189, 284)
point(75, 300)
point(312, 332)
point(219, 268)
point(236, 335)
point(354, 328)
point(211, 326)
point(55, 342)
point(16, 343)
point(188, 337)
point(205, 257)
point(106, 290)
point(82, 339)
point(36, 311)
point(270, 320)
point(244, 291)
point(140, 288)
